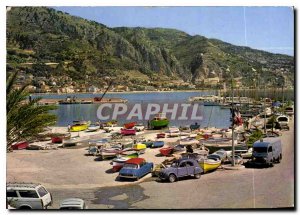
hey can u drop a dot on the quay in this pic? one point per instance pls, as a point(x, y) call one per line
point(69, 101)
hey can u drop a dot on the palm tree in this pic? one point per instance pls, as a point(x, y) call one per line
point(25, 119)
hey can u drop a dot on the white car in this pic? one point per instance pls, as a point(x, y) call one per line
point(27, 196)
point(72, 204)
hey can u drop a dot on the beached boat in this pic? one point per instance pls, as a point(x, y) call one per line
point(93, 127)
point(166, 151)
point(71, 142)
point(141, 148)
point(161, 135)
point(173, 131)
point(194, 126)
point(158, 144)
point(178, 149)
point(19, 146)
point(129, 125)
point(188, 141)
point(159, 121)
point(148, 143)
point(79, 126)
point(208, 164)
point(119, 161)
point(125, 132)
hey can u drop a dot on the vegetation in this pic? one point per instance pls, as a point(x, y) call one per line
point(25, 119)
point(256, 135)
point(85, 48)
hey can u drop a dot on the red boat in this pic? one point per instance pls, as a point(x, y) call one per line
point(161, 135)
point(128, 131)
point(166, 151)
point(57, 139)
point(19, 146)
point(129, 125)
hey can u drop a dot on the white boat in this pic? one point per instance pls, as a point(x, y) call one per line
point(188, 141)
point(207, 100)
point(283, 121)
point(173, 131)
point(93, 127)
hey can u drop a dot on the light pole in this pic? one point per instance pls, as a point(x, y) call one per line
point(232, 124)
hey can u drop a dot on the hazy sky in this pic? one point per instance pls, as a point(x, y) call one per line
point(265, 28)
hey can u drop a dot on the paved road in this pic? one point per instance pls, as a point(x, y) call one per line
point(247, 188)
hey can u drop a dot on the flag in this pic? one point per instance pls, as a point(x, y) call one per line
point(236, 117)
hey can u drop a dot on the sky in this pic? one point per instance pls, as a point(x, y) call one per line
point(265, 28)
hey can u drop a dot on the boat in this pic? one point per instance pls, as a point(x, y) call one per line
point(19, 146)
point(173, 131)
point(148, 143)
point(119, 161)
point(161, 135)
point(178, 149)
point(93, 127)
point(159, 121)
point(141, 148)
point(71, 142)
point(166, 151)
point(188, 141)
point(207, 100)
point(79, 126)
point(248, 154)
point(158, 144)
point(125, 132)
point(129, 125)
point(194, 126)
point(209, 165)
point(60, 138)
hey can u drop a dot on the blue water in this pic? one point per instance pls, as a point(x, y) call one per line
point(212, 116)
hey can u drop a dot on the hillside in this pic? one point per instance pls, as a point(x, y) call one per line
point(47, 43)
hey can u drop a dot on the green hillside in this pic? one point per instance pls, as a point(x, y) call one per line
point(45, 42)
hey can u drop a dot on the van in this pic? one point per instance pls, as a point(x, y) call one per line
point(27, 196)
point(267, 151)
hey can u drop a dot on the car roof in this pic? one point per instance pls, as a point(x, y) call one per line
point(135, 161)
point(261, 144)
point(72, 202)
point(22, 185)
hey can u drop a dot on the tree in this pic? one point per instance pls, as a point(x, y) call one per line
point(25, 119)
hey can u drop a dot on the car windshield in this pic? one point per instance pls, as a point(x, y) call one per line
point(260, 149)
point(130, 166)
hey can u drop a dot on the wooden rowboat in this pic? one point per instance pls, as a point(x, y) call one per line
point(166, 151)
point(129, 125)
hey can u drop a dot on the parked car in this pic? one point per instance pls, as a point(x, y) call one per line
point(28, 196)
point(181, 168)
point(135, 168)
point(72, 204)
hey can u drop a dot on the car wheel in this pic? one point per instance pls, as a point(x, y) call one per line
point(172, 178)
point(197, 176)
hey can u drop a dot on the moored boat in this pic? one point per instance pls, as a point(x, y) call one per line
point(161, 135)
point(93, 127)
point(159, 121)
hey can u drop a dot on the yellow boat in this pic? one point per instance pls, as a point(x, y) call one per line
point(79, 126)
point(139, 146)
point(209, 164)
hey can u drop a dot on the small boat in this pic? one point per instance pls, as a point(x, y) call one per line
point(71, 142)
point(148, 143)
point(158, 144)
point(125, 132)
point(194, 126)
point(248, 154)
point(283, 121)
point(173, 132)
point(166, 151)
point(129, 125)
point(208, 164)
point(118, 163)
point(60, 138)
point(161, 135)
point(139, 127)
point(178, 149)
point(93, 127)
point(20, 146)
point(141, 148)
point(188, 141)
point(159, 121)
point(79, 126)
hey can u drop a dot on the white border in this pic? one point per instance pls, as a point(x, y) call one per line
point(4, 3)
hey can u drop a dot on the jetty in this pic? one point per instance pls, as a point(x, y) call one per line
point(69, 101)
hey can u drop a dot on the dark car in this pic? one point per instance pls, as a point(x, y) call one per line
point(135, 168)
point(181, 168)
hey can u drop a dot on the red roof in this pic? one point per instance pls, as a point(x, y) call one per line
point(135, 161)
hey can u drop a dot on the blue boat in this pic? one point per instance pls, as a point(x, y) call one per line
point(148, 143)
point(158, 144)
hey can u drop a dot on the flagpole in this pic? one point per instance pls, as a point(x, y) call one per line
point(232, 124)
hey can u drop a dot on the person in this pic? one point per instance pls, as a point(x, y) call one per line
point(30, 98)
point(69, 127)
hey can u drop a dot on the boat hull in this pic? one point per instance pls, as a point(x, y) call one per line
point(166, 151)
point(157, 124)
point(76, 128)
point(209, 165)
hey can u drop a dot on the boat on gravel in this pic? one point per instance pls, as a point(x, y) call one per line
point(129, 125)
point(166, 151)
point(159, 121)
point(79, 126)
point(158, 144)
point(209, 164)
point(126, 132)
point(93, 127)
